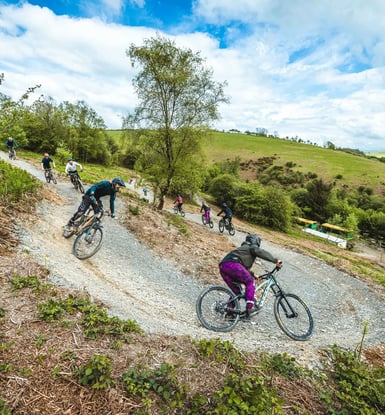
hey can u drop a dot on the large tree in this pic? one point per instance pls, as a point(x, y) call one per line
point(178, 100)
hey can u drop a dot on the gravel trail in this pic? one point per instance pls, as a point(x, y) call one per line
point(136, 283)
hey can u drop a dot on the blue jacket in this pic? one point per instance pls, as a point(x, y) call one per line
point(12, 143)
point(104, 188)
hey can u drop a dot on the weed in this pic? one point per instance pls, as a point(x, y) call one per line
point(96, 372)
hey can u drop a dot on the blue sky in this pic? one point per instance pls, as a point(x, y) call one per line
point(312, 69)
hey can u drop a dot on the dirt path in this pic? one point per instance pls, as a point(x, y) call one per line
point(136, 283)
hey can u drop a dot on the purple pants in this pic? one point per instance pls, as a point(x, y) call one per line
point(234, 272)
point(207, 215)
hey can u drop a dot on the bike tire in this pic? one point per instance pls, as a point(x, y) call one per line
point(54, 179)
point(221, 225)
point(298, 325)
point(204, 219)
point(212, 306)
point(182, 213)
point(80, 186)
point(88, 242)
point(211, 224)
point(231, 229)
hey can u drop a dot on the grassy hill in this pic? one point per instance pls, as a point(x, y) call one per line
point(326, 163)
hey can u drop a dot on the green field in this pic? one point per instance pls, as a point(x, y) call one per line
point(327, 163)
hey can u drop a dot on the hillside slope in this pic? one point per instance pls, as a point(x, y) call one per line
point(152, 274)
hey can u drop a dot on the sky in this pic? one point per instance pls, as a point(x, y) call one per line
point(296, 68)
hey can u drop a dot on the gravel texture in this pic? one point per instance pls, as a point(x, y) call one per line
point(136, 283)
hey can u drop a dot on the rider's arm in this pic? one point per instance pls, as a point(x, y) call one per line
point(80, 166)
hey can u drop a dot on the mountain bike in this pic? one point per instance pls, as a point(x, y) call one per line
point(210, 222)
point(89, 238)
point(177, 210)
point(219, 309)
point(50, 176)
point(76, 181)
point(224, 223)
point(12, 153)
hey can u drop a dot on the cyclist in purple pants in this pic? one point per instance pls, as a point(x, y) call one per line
point(206, 210)
point(236, 265)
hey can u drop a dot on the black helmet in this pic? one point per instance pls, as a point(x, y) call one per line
point(119, 181)
point(253, 239)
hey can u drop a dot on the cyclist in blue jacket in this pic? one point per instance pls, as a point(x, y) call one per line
point(92, 198)
point(228, 213)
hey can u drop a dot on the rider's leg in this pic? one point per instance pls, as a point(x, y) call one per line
point(81, 209)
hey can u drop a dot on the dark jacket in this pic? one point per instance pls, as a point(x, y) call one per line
point(104, 188)
point(227, 211)
point(246, 255)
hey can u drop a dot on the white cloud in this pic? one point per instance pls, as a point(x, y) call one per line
point(294, 74)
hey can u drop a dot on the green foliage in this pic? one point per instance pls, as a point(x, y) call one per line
point(246, 395)
point(221, 351)
point(283, 364)
point(178, 222)
point(14, 183)
point(4, 408)
point(96, 372)
point(95, 320)
point(30, 281)
point(360, 389)
point(2, 312)
point(162, 381)
point(134, 210)
point(177, 100)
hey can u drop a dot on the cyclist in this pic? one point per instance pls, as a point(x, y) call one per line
point(206, 209)
point(71, 168)
point(228, 214)
point(236, 265)
point(11, 144)
point(179, 202)
point(46, 164)
point(92, 198)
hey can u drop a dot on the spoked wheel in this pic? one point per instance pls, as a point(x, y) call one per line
point(54, 179)
point(212, 308)
point(221, 225)
point(211, 224)
point(88, 243)
point(293, 316)
point(182, 213)
point(231, 229)
point(204, 219)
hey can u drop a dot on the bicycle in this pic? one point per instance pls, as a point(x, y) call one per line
point(224, 223)
point(210, 222)
point(12, 153)
point(50, 176)
point(76, 181)
point(177, 210)
point(89, 239)
point(219, 309)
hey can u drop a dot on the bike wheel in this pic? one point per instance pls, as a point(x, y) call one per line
point(293, 316)
point(204, 219)
point(212, 308)
point(231, 229)
point(80, 186)
point(211, 224)
point(54, 179)
point(221, 225)
point(182, 213)
point(88, 243)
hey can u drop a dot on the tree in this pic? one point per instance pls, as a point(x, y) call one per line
point(177, 101)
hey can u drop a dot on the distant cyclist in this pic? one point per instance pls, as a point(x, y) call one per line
point(179, 202)
point(206, 209)
point(92, 198)
point(47, 164)
point(228, 213)
point(72, 168)
point(11, 144)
